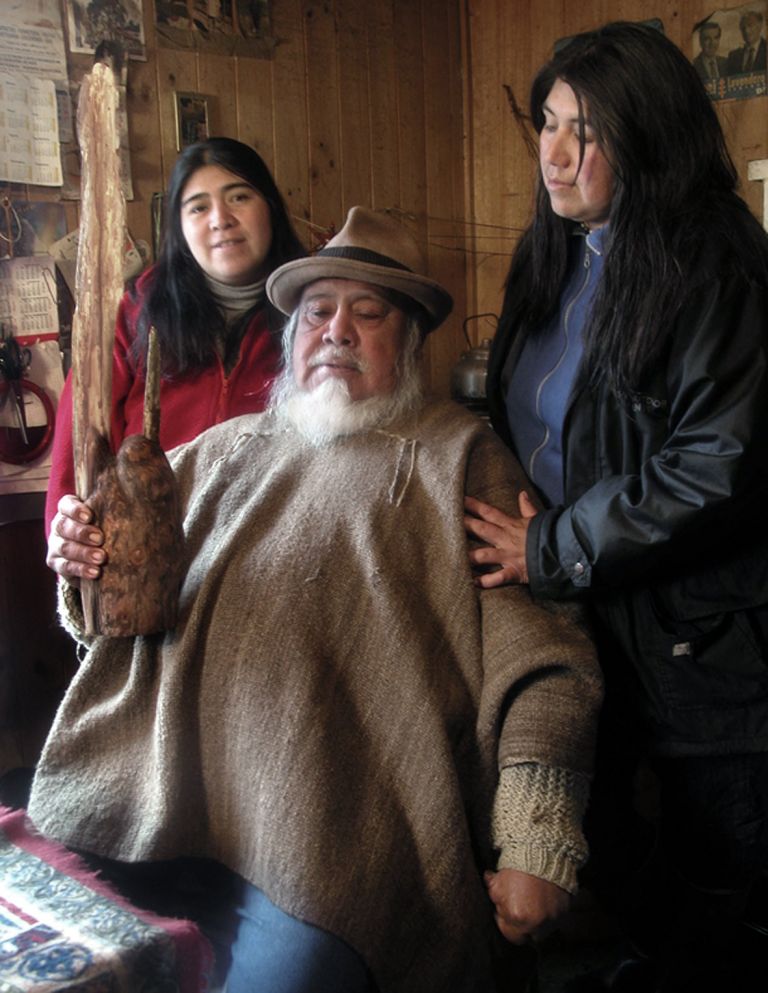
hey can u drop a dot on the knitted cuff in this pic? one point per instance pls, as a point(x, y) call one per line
point(537, 816)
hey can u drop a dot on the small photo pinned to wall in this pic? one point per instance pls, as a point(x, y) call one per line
point(729, 52)
point(191, 119)
point(90, 22)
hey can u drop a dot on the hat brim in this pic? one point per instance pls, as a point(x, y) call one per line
point(286, 284)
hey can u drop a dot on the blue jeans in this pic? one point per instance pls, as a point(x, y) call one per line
point(277, 953)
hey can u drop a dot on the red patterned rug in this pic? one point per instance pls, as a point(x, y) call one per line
point(62, 928)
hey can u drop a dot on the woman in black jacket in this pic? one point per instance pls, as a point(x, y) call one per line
point(630, 376)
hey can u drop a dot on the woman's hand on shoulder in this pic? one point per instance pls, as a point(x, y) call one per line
point(505, 539)
point(74, 543)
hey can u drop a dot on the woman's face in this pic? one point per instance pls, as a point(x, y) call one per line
point(226, 224)
point(579, 194)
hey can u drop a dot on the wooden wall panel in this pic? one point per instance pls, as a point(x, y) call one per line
point(410, 113)
point(291, 126)
point(176, 72)
point(254, 97)
point(216, 78)
point(145, 140)
point(354, 104)
point(385, 133)
point(746, 129)
point(483, 114)
point(323, 111)
point(446, 226)
point(504, 45)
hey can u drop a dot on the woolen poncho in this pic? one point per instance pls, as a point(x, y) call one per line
point(330, 714)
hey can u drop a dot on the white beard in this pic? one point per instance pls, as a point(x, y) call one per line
point(327, 412)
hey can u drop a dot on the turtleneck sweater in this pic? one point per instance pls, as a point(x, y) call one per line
point(234, 301)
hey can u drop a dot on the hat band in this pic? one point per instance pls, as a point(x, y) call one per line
point(362, 255)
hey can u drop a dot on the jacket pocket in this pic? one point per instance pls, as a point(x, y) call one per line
point(712, 662)
point(716, 659)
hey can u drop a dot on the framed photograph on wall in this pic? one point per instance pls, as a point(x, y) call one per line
point(191, 118)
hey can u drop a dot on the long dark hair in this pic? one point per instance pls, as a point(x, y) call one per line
point(674, 190)
point(178, 301)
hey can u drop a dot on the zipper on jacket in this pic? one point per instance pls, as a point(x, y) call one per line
point(566, 333)
point(224, 391)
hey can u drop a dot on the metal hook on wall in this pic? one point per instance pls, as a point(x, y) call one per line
point(11, 217)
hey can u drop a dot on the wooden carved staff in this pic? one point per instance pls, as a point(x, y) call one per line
point(133, 495)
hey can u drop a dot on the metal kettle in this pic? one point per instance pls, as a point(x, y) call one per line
point(468, 378)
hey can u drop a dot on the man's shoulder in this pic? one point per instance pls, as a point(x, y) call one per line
point(444, 426)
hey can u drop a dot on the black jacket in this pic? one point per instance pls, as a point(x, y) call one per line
point(666, 523)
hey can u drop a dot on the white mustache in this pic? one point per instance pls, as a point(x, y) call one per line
point(328, 354)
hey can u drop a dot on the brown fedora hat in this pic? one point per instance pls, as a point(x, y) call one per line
point(372, 247)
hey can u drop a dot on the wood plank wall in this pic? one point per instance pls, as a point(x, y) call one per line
point(399, 104)
point(505, 43)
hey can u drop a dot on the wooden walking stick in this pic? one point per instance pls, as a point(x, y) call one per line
point(133, 495)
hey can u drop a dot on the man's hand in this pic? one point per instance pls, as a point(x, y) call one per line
point(505, 541)
point(74, 550)
point(526, 906)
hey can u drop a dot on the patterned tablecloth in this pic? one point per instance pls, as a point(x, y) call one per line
point(61, 928)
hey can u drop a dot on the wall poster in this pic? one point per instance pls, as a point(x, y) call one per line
point(226, 27)
point(730, 52)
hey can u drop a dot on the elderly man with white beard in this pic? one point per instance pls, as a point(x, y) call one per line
point(385, 757)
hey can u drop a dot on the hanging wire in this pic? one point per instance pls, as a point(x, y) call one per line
point(523, 122)
point(49, 281)
point(11, 216)
point(321, 234)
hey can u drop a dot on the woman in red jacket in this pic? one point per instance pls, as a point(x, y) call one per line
point(226, 229)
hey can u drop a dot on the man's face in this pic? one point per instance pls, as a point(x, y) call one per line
point(348, 331)
point(710, 40)
point(750, 29)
